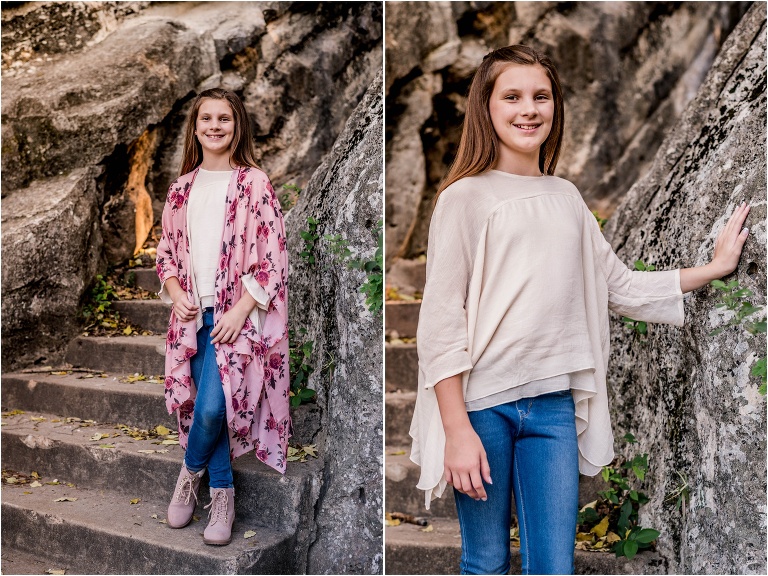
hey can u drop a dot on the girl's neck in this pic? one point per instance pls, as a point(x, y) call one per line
point(216, 163)
point(519, 164)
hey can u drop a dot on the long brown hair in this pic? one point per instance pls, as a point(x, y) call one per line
point(243, 149)
point(478, 147)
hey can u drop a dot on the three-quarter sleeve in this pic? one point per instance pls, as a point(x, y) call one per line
point(640, 295)
point(441, 338)
point(166, 264)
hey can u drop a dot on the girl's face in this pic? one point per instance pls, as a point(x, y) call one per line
point(215, 126)
point(522, 109)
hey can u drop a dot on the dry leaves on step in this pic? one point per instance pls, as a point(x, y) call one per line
point(299, 453)
point(55, 571)
point(429, 528)
point(66, 499)
point(135, 500)
point(249, 534)
point(99, 436)
point(396, 453)
point(35, 484)
point(389, 521)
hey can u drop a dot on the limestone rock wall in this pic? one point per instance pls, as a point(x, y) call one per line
point(345, 196)
point(106, 86)
point(627, 68)
point(688, 397)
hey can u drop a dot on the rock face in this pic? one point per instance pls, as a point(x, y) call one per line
point(627, 68)
point(108, 86)
point(687, 396)
point(345, 196)
point(51, 251)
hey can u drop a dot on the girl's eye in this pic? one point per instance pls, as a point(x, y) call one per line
point(542, 97)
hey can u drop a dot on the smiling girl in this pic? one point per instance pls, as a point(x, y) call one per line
point(223, 266)
point(513, 329)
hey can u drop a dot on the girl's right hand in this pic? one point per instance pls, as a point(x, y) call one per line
point(183, 308)
point(466, 464)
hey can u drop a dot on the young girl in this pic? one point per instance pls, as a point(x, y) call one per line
point(513, 329)
point(223, 266)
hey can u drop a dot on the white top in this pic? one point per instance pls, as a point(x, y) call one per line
point(206, 211)
point(519, 283)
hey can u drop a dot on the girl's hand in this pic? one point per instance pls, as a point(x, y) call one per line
point(466, 465)
point(229, 326)
point(728, 248)
point(183, 308)
point(730, 242)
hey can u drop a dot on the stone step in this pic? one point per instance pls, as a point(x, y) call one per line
point(410, 550)
point(144, 278)
point(55, 448)
point(402, 317)
point(402, 475)
point(128, 354)
point(399, 412)
point(147, 314)
point(401, 370)
point(103, 533)
point(114, 399)
point(407, 276)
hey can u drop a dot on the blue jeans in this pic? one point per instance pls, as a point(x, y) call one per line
point(208, 443)
point(532, 452)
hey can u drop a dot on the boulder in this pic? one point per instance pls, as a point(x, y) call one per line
point(688, 396)
point(344, 196)
point(51, 251)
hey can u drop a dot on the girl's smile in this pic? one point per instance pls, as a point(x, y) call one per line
point(522, 108)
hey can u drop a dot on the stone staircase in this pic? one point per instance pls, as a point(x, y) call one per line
point(64, 428)
point(410, 549)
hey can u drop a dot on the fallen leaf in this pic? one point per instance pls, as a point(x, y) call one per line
point(169, 442)
point(99, 436)
point(13, 413)
point(389, 521)
point(35, 484)
point(612, 537)
point(26, 492)
point(146, 451)
point(70, 484)
point(163, 521)
point(35, 474)
point(37, 418)
point(428, 529)
point(154, 516)
point(162, 430)
point(55, 571)
point(584, 537)
point(310, 450)
point(106, 446)
point(600, 529)
point(397, 453)
point(128, 331)
point(12, 480)
point(249, 534)
point(60, 373)
point(135, 500)
point(66, 499)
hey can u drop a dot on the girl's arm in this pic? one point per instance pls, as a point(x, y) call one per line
point(465, 464)
point(728, 248)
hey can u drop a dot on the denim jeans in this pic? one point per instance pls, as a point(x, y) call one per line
point(532, 452)
point(208, 443)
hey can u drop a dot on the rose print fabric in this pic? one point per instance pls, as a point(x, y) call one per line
point(254, 369)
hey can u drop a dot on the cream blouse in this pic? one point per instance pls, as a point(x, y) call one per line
point(519, 283)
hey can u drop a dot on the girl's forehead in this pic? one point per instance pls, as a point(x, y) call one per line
point(214, 106)
point(523, 77)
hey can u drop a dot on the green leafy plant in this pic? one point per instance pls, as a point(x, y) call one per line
point(310, 237)
point(289, 198)
point(600, 221)
point(734, 298)
point(373, 287)
point(300, 366)
point(638, 325)
point(612, 520)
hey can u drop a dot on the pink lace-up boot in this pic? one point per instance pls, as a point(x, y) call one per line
point(222, 515)
point(184, 498)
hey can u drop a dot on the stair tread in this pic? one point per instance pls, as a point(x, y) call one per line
point(103, 512)
point(79, 433)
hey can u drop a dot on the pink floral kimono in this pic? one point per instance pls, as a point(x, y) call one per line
point(254, 369)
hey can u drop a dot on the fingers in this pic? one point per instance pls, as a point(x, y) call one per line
point(477, 485)
point(485, 468)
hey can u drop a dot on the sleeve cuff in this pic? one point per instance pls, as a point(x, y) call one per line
point(256, 290)
point(163, 294)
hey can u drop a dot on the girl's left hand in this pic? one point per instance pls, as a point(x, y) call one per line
point(229, 326)
point(730, 242)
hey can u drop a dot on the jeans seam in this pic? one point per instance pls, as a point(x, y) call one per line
point(521, 512)
point(464, 543)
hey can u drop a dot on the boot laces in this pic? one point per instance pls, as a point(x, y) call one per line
point(186, 489)
point(218, 507)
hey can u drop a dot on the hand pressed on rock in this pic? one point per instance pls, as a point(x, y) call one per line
point(730, 241)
